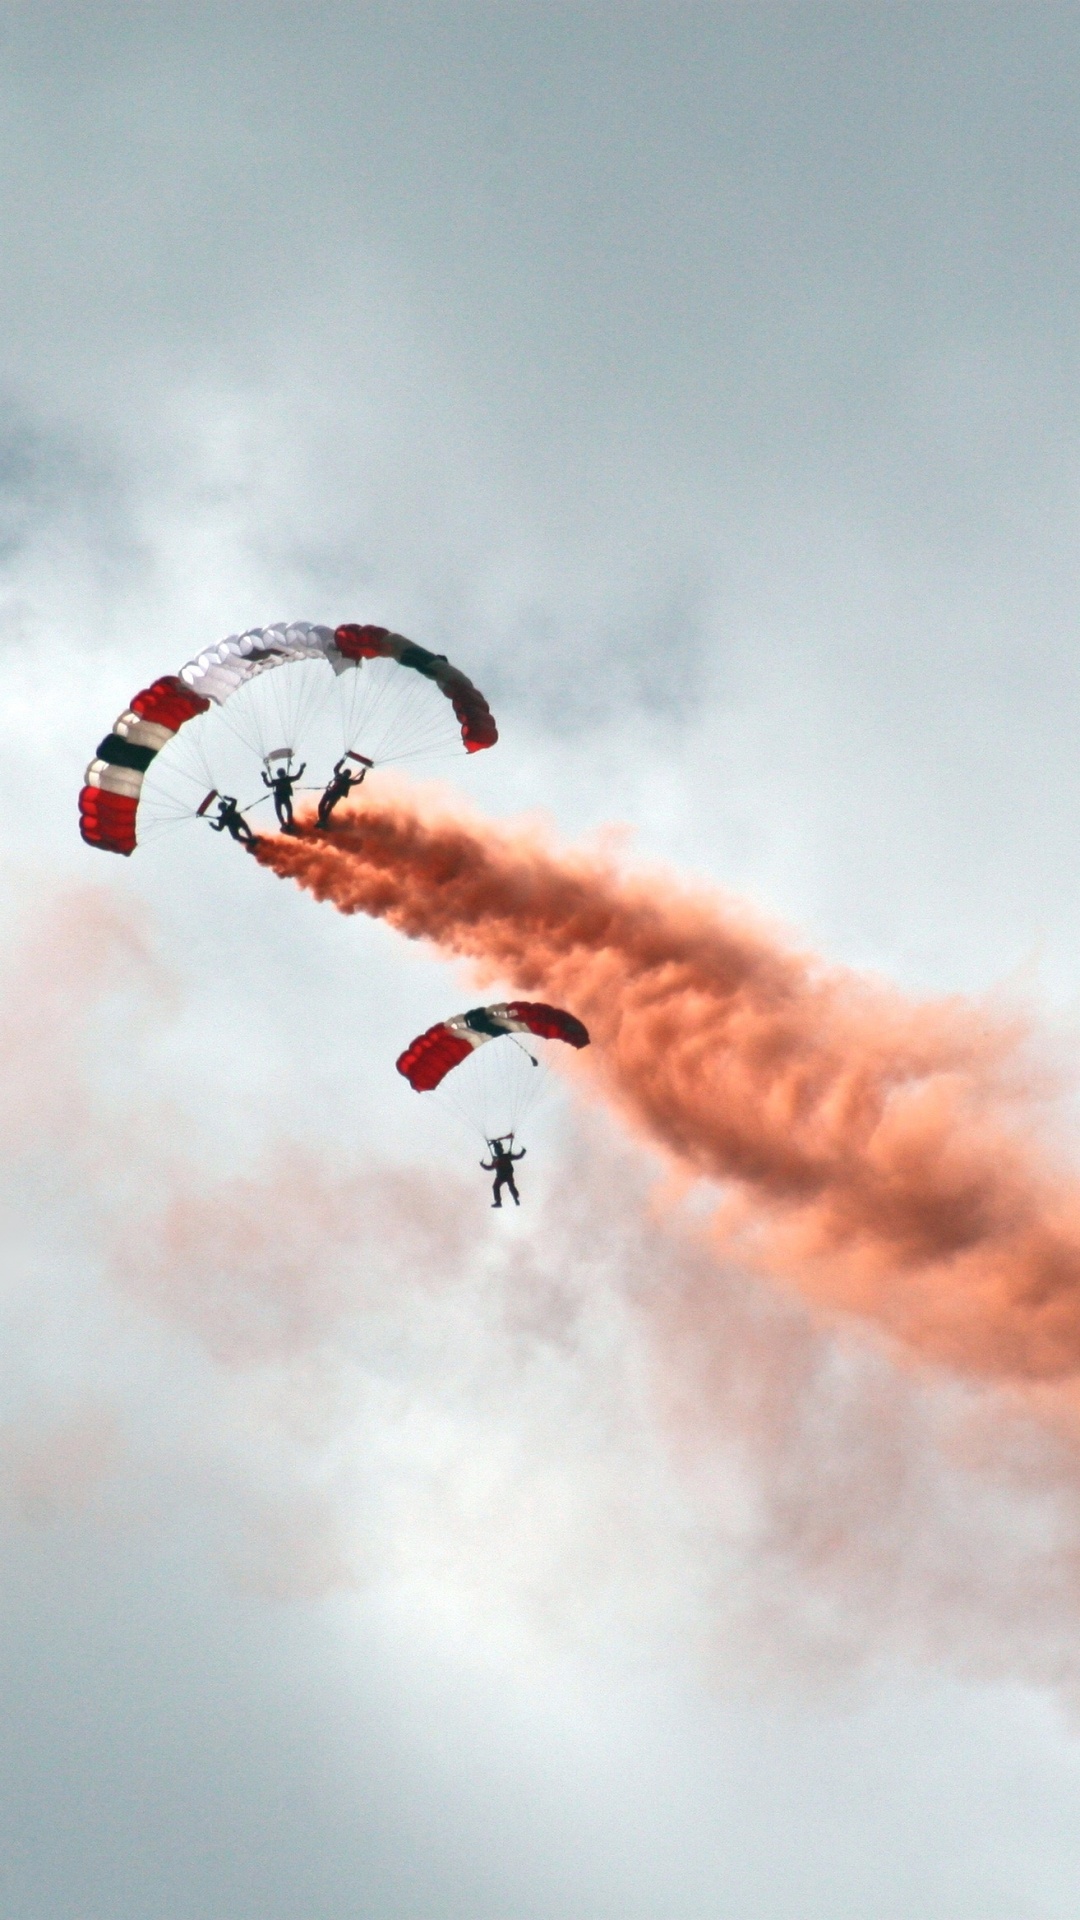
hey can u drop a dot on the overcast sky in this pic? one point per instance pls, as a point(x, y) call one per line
point(702, 379)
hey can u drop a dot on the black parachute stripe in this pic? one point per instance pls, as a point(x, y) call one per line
point(420, 659)
point(480, 1020)
point(124, 753)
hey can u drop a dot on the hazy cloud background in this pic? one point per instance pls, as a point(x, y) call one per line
point(704, 379)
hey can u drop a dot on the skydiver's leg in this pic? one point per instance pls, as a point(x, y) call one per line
point(513, 1188)
point(497, 1190)
point(326, 808)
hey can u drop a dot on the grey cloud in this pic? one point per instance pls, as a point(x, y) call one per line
point(61, 494)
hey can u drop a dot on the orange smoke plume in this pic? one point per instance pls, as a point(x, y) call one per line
point(883, 1156)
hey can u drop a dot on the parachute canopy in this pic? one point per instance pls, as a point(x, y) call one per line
point(433, 1054)
point(109, 800)
point(396, 718)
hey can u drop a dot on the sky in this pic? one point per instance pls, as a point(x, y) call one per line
point(702, 380)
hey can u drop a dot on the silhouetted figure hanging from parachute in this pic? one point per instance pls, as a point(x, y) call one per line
point(231, 820)
point(281, 785)
point(503, 1081)
point(501, 1165)
point(340, 785)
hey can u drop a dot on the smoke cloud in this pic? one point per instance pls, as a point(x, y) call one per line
point(889, 1158)
point(340, 1375)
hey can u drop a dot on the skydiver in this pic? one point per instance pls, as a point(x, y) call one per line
point(231, 820)
point(341, 782)
point(501, 1165)
point(281, 785)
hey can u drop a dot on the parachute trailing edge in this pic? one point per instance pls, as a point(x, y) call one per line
point(478, 729)
point(432, 1055)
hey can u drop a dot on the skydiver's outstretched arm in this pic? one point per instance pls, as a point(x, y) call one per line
point(300, 771)
point(519, 1155)
point(266, 780)
point(216, 826)
point(488, 1166)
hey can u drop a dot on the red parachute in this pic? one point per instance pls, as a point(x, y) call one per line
point(109, 801)
point(490, 1089)
point(431, 1056)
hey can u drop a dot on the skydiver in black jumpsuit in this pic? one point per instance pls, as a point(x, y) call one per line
point(501, 1165)
point(231, 820)
point(341, 783)
point(281, 786)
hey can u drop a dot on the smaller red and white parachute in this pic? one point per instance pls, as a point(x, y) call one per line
point(490, 1088)
point(431, 1056)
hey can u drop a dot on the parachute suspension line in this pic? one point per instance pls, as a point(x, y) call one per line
point(315, 694)
point(394, 715)
point(424, 726)
point(349, 699)
point(362, 722)
point(176, 781)
point(276, 693)
point(456, 1101)
point(491, 1091)
point(199, 754)
point(298, 692)
point(355, 707)
point(275, 706)
point(239, 719)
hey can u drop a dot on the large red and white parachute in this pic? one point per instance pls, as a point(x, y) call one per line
point(417, 713)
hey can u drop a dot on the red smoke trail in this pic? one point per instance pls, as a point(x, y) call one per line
point(881, 1155)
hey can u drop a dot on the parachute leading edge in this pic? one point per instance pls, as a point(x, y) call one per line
point(109, 801)
point(432, 1055)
